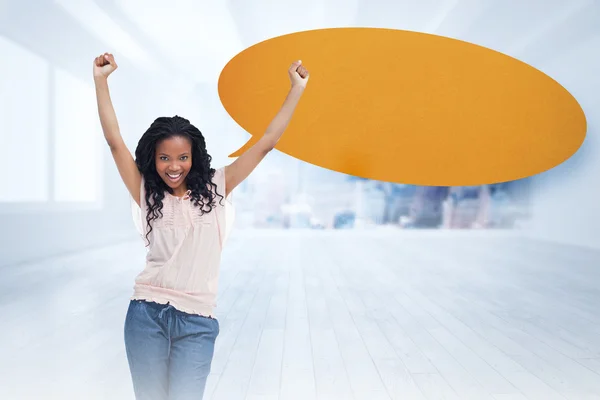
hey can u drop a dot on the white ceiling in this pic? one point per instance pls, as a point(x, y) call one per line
point(200, 36)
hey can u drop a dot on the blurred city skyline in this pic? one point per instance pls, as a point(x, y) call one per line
point(289, 193)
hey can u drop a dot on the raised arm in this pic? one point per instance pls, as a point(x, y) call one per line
point(104, 65)
point(239, 170)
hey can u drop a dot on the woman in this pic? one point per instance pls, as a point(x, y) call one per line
point(170, 328)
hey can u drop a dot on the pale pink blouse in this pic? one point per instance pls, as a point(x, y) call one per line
point(184, 255)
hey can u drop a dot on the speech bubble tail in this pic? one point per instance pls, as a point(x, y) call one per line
point(253, 140)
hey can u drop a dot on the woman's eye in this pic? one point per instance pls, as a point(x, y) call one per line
point(184, 157)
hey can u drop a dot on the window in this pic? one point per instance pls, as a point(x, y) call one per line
point(23, 125)
point(50, 134)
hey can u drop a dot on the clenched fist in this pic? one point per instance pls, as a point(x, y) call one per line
point(298, 74)
point(104, 65)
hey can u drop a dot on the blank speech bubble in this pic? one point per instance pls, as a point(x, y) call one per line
point(406, 107)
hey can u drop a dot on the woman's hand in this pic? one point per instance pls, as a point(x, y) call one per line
point(298, 74)
point(104, 65)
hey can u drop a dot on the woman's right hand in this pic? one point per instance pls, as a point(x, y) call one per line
point(104, 65)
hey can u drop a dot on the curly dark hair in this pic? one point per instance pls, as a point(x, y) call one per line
point(198, 179)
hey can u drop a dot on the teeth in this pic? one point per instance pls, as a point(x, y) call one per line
point(174, 176)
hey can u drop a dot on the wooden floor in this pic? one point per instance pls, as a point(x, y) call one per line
point(328, 315)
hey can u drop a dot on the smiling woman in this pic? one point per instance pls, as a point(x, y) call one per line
point(172, 159)
point(170, 328)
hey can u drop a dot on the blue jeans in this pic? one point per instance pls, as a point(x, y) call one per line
point(169, 352)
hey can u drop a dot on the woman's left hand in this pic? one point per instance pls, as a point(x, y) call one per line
point(298, 74)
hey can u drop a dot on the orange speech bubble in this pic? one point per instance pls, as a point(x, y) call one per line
point(406, 107)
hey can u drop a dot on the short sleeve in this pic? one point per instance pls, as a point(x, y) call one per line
point(225, 208)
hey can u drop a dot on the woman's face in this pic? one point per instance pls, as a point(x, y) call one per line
point(174, 160)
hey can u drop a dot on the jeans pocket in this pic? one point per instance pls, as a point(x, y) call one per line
point(214, 323)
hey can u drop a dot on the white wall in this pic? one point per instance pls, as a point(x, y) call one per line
point(567, 198)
